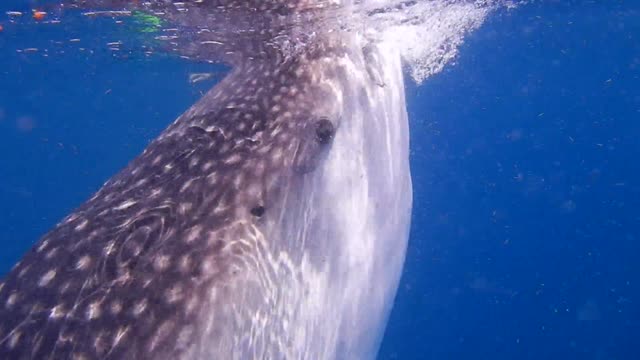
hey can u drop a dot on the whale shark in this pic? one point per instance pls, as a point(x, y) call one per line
point(269, 221)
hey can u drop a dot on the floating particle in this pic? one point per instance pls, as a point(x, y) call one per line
point(39, 15)
point(197, 77)
point(568, 206)
point(25, 123)
point(108, 13)
point(589, 311)
point(515, 135)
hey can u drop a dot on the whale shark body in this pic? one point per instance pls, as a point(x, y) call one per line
point(269, 221)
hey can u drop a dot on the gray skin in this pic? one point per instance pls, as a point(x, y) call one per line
point(269, 221)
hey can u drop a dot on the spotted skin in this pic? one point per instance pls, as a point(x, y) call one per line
point(269, 221)
point(143, 252)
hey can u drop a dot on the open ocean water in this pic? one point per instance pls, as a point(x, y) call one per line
point(525, 161)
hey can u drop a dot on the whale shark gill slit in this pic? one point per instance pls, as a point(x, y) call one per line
point(269, 221)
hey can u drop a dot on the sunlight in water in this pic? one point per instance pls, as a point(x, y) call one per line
point(428, 33)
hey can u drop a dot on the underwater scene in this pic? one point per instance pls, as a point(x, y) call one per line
point(319, 179)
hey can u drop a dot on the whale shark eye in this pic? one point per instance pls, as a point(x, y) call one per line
point(257, 211)
point(324, 131)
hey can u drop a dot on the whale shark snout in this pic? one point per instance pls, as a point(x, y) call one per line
point(269, 221)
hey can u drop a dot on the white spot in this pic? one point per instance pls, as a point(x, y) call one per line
point(93, 311)
point(120, 334)
point(99, 342)
point(78, 356)
point(116, 307)
point(125, 277)
point(22, 272)
point(185, 336)
point(213, 293)
point(155, 192)
point(275, 131)
point(161, 263)
point(163, 331)
point(56, 312)
point(193, 234)
point(276, 156)
point(254, 190)
point(104, 212)
point(46, 278)
point(259, 168)
point(43, 245)
point(183, 208)
point(174, 294)
point(282, 138)
point(14, 339)
point(139, 307)
point(109, 248)
point(70, 218)
point(224, 148)
point(65, 287)
point(264, 149)
point(191, 305)
point(271, 180)
point(221, 207)
point(212, 178)
point(233, 159)
point(134, 248)
point(36, 308)
point(184, 264)
point(209, 266)
point(11, 300)
point(238, 180)
point(83, 224)
point(93, 234)
point(141, 182)
point(51, 253)
point(126, 204)
point(83, 262)
point(208, 165)
point(186, 185)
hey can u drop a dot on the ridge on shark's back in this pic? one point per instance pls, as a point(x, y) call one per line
point(269, 221)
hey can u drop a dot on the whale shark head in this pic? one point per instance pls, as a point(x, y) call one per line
point(269, 221)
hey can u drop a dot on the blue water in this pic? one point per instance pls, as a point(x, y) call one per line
point(526, 226)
